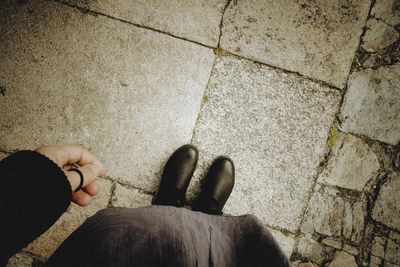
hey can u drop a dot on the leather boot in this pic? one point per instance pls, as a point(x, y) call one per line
point(176, 177)
point(217, 187)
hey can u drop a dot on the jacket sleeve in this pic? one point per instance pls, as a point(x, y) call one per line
point(34, 193)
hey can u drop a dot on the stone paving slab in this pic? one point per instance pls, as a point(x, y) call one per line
point(274, 126)
point(385, 250)
point(311, 249)
point(128, 94)
point(194, 20)
point(315, 38)
point(330, 215)
point(351, 164)
point(343, 259)
point(47, 243)
point(20, 259)
point(286, 242)
point(378, 36)
point(371, 105)
point(303, 264)
point(387, 10)
point(387, 206)
point(130, 198)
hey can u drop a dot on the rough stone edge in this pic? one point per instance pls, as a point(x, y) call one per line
point(389, 159)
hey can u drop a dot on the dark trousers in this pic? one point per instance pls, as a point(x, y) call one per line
point(168, 236)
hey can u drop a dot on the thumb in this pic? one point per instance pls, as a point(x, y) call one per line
point(90, 172)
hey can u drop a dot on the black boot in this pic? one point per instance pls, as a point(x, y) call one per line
point(217, 187)
point(176, 177)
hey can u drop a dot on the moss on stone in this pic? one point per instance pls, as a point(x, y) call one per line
point(220, 52)
point(298, 234)
point(332, 137)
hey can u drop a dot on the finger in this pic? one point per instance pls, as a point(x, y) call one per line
point(70, 154)
point(90, 172)
point(103, 170)
point(92, 189)
point(67, 167)
point(81, 198)
point(78, 154)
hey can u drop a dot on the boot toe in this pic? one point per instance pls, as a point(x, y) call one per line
point(217, 187)
point(176, 176)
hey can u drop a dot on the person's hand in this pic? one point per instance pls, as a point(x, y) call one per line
point(65, 156)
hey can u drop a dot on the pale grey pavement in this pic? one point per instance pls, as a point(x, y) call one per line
point(304, 96)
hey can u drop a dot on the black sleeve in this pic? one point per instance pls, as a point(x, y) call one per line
point(34, 193)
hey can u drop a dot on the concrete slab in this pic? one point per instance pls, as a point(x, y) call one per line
point(47, 243)
point(315, 38)
point(311, 249)
point(378, 36)
point(351, 164)
point(286, 242)
point(324, 214)
point(274, 126)
point(330, 215)
point(343, 259)
point(130, 95)
point(387, 10)
point(194, 20)
point(21, 259)
point(130, 198)
point(371, 104)
point(387, 206)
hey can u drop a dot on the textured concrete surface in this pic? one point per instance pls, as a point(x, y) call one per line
point(351, 165)
point(47, 243)
point(274, 126)
point(343, 259)
point(323, 214)
point(378, 247)
point(311, 249)
point(371, 104)
point(130, 198)
point(324, 182)
point(387, 10)
point(303, 264)
point(314, 38)
point(393, 251)
point(129, 95)
point(20, 260)
point(331, 215)
point(285, 241)
point(385, 250)
point(387, 206)
point(378, 36)
point(350, 249)
point(194, 20)
point(332, 243)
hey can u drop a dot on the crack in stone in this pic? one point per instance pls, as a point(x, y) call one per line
point(203, 99)
point(222, 22)
point(112, 193)
point(355, 58)
point(3, 90)
point(96, 13)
